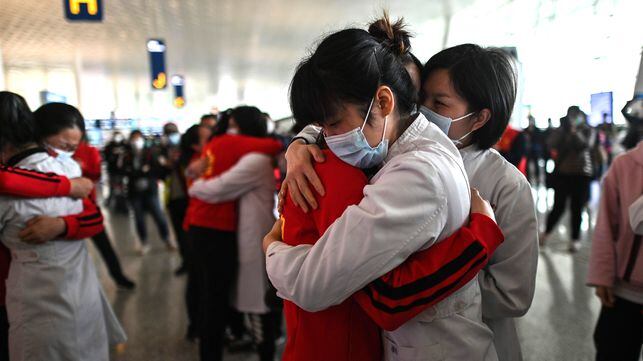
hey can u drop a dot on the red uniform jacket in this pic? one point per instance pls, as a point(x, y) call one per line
point(88, 157)
point(425, 279)
point(221, 154)
point(26, 183)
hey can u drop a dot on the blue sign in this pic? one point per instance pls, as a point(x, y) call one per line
point(156, 48)
point(179, 97)
point(84, 10)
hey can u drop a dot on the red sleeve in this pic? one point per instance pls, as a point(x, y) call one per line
point(268, 146)
point(90, 161)
point(32, 184)
point(429, 276)
point(86, 224)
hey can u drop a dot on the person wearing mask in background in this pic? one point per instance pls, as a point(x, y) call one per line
point(175, 196)
point(356, 86)
point(208, 120)
point(251, 182)
point(114, 152)
point(212, 230)
point(572, 173)
point(471, 92)
point(53, 281)
point(54, 118)
point(191, 145)
point(25, 183)
point(144, 170)
point(616, 259)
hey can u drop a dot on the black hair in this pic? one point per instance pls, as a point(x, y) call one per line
point(188, 139)
point(135, 132)
point(52, 118)
point(347, 67)
point(250, 121)
point(169, 128)
point(222, 123)
point(208, 116)
point(17, 125)
point(485, 78)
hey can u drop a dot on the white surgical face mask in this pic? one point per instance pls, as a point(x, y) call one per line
point(63, 154)
point(636, 215)
point(353, 148)
point(233, 131)
point(174, 138)
point(139, 143)
point(444, 123)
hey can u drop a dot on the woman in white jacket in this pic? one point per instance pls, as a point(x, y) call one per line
point(55, 304)
point(356, 88)
point(477, 86)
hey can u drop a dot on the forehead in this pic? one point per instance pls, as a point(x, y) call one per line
point(439, 82)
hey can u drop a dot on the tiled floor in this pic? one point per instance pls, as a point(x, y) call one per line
point(559, 325)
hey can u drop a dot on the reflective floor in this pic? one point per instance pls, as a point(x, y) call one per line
point(559, 325)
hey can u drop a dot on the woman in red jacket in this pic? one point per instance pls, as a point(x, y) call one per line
point(212, 227)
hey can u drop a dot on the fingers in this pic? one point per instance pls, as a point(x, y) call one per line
point(305, 190)
point(317, 153)
point(297, 198)
point(33, 221)
point(313, 179)
point(610, 297)
point(281, 197)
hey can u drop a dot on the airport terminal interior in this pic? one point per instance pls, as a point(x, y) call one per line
point(169, 250)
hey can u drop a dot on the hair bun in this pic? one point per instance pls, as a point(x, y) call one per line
point(391, 35)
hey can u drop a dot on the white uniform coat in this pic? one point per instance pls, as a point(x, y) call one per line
point(509, 279)
point(419, 197)
point(56, 307)
point(252, 182)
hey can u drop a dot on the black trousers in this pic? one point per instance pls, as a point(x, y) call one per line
point(104, 246)
point(4, 334)
point(217, 263)
point(575, 188)
point(619, 332)
point(264, 333)
point(177, 209)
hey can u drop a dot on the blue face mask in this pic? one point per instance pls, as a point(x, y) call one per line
point(353, 148)
point(444, 123)
point(174, 138)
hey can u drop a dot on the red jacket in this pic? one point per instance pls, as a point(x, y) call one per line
point(343, 332)
point(27, 183)
point(88, 157)
point(222, 153)
point(422, 281)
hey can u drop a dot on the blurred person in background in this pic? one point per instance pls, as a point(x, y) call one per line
point(56, 116)
point(212, 229)
point(616, 260)
point(513, 147)
point(208, 120)
point(24, 183)
point(175, 196)
point(144, 167)
point(251, 182)
point(114, 152)
point(535, 141)
point(191, 146)
point(54, 281)
point(570, 146)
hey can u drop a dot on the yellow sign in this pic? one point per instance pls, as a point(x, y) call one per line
point(92, 6)
point(160, 81)
point(179, 102)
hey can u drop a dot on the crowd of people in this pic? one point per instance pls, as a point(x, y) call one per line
point(406, 229)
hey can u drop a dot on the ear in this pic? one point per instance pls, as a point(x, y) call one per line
point(481, 119)
point(385, 100)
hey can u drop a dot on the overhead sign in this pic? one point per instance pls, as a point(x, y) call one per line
point(179, 97)
point(156, 48)
point(83, 10)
